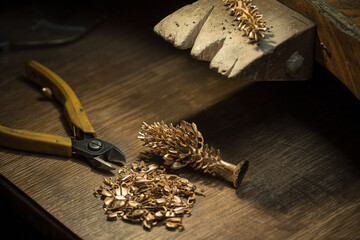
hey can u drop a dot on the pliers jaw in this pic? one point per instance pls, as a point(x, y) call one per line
point(98, 152)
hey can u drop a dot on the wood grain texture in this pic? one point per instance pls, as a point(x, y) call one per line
point(207, 27)
point(350, 8)
point(338, 37)
point(301, 138)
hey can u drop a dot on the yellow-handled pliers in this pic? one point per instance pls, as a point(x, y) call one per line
point(84, 142)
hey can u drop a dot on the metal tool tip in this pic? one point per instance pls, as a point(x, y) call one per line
point(115, 155)
point(101, 164)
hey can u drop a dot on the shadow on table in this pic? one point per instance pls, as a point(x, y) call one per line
point(301, 139)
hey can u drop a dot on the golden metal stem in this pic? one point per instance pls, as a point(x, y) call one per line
point(238, 171)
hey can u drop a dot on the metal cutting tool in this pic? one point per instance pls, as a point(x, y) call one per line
point(84, 142)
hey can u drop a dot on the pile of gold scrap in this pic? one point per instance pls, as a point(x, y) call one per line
point(146, 194)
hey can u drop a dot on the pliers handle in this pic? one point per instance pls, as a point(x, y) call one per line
point(74, 112)
point(84, 134)
point(35, 142)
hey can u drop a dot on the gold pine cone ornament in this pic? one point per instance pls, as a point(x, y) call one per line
point(183, 145)
point(248, 17)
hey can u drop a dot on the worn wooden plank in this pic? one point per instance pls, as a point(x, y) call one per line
point(350, 8)
point(210, 31)
point(338, 37)
point(301, 138)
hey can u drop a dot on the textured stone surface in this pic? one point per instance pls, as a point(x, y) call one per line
point(208, 28)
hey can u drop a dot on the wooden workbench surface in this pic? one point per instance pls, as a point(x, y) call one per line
point(337, 44)
point(301, 138)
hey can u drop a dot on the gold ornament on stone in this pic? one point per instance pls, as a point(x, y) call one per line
point(249, 18)
point(183, 145)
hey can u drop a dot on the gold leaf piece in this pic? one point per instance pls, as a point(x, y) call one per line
point(108, 201)
point(112, 216)
point(147, 224)
point(174, 220)
point(150, 217)
point(177, 199)
point(171, 225)
point(137, 213)
point(106, 193)
point(120, 197)
point(179, 210)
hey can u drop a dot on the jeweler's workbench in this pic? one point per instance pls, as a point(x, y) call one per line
point(300, 138)
point(337, 37)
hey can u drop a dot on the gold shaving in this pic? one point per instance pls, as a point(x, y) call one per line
point(146, 194)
